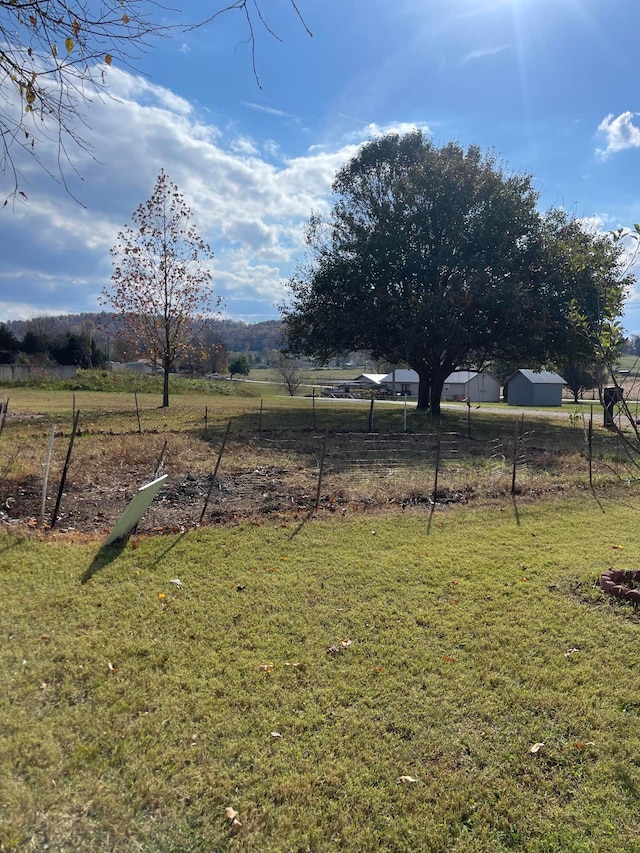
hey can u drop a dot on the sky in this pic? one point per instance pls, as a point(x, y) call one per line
point(549, 85)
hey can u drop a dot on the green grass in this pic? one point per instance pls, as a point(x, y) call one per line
point(133, 712)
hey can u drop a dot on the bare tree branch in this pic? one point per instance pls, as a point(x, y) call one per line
point(54, 58)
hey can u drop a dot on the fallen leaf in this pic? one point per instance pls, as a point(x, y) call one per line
point(275, 734)
point(266, 667)
point(378, 669)
point(617, 547)
point(345, 643)
point(333, 650)
point(112, 668)
point(176, 582)
point(570, 652)
point(536, 748)
point(403, 779)
point(162, 595)
point(448, 659)
point(583, 744)
point(231, 813)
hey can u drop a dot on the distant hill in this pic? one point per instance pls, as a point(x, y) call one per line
point(234, 335)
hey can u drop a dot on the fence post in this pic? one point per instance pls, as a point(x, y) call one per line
point(313, 407)
point(135, 397)
point(590, 448)
point(434, 496)
point(260, 416)
point(371, 413)
point(47, 466)
point(63, 478)
point(320, 472)
point(156, 470)
point(215, 472)
point(3, 413)
point(516, 440)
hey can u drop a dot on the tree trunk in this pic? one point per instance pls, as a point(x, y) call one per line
point(437, 384)
point(165, 386)
point(424, 387)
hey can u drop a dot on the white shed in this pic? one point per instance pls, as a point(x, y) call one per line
point(473, 386)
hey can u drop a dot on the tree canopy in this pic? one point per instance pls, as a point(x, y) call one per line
point(438, 258)
point(161, 279)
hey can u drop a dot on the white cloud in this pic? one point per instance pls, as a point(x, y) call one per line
point(373, 130)
point(619, 132)
point(482, 53)
point(269, 110)
point(250, 206)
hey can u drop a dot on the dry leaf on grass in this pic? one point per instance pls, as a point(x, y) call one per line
point(232, 815)
point(176, 582)
point(275, 734)
point(536, 748)
point(405, 779)
point(266, 667)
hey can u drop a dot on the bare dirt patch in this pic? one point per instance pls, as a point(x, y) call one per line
point(261, 475)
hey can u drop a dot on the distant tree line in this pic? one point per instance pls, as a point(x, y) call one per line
point(37, 348)
point(93, 339)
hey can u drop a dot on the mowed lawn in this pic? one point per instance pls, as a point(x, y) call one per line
point(352, 684)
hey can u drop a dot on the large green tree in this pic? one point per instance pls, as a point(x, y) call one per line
point(436, 257)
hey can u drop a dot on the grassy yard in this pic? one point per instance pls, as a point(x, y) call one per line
point(350, 684)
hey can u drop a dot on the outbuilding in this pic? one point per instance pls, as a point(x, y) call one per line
point(461, 385)
point(472, 386)
point(534, 388)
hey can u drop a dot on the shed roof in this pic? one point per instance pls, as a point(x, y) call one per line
point(402, 374)
point(540, 377)
point(376, 378)
point(461, 376)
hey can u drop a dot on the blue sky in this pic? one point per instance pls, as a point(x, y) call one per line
point(550, 85)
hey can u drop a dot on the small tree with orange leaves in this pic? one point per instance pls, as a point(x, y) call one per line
point(162, 279)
